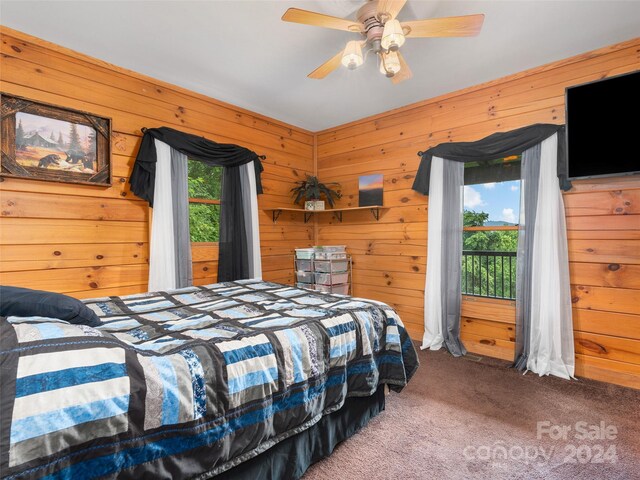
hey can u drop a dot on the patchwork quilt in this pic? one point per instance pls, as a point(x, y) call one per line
point(187, 383)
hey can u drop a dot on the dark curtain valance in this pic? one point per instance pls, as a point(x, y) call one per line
point(498, 145)
point(143, 177)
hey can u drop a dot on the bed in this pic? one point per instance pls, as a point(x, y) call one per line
point(201, 382)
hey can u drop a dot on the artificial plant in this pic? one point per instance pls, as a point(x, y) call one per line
point(312, 189)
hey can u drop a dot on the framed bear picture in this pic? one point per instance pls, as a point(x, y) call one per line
point(47, 142)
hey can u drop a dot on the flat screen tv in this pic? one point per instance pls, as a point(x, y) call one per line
point(603, 127)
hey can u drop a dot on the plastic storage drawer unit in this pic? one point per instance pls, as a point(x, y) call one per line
point(303, 265)
point(330, 249)
point(342, 289)
point(304, 277)
point(330, 256)
point(304, 253)
point(331, 278)
point(330, 266)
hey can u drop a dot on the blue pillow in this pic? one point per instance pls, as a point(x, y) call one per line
point(24, 302)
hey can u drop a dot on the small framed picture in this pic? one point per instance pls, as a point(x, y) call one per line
point(57, 144)
point(370, 190)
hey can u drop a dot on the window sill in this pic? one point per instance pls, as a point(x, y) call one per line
point(499, 301)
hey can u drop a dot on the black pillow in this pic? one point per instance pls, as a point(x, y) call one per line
point(24, 302)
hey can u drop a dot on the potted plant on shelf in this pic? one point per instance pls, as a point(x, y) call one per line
point(311, 191)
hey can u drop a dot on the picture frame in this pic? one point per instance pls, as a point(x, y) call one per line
point(46, 142)
point(370, 190)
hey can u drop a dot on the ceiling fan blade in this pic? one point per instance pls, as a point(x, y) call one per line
point(404, 73)
point(305, 17)
point(465, 26)
point(327, 67)
point(390, 8)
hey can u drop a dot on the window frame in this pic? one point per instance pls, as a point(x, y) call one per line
point(208, 201)
point(490, 228)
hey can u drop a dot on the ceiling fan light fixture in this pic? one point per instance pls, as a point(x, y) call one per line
point(389, 64)
point(392, 36)
point(383, 35)
point(352, 56)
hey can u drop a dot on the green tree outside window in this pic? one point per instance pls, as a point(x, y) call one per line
point(205, 188)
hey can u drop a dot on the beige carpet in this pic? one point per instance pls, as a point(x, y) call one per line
point(458, 418)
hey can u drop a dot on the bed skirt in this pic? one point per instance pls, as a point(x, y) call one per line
point(290, 458)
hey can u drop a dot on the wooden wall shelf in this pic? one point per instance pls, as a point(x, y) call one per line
point(337, 212)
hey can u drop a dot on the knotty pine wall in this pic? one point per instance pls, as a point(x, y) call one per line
point(93, 241)
point(603, 217)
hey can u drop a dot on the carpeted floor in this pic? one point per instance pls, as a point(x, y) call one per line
point(465, 419)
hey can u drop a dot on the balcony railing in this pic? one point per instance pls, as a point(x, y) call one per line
point(489, 274)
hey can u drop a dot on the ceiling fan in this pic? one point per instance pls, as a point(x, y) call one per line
point(383, 35)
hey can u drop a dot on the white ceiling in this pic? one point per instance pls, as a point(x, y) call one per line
point(242, 53)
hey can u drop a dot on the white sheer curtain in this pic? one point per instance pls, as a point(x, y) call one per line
point(162, 262)
point(433, 337)
point(252, 225)
point(444, 251)
point(551, 348)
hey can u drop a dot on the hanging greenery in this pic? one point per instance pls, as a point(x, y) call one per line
point(312, 189)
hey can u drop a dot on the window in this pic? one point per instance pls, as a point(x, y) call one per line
point(205, 184)
point(490, 228)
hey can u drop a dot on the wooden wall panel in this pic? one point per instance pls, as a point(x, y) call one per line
point(603, 216)
point(91, 241)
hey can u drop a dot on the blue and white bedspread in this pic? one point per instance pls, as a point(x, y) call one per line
point(189, 382)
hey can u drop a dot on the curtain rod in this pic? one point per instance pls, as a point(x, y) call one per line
point(261, 157)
